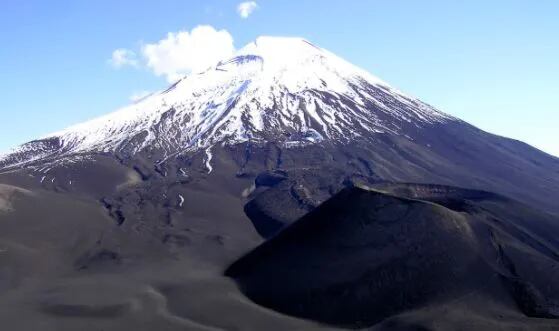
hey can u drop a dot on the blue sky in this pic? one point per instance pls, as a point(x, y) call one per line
point(492, 63)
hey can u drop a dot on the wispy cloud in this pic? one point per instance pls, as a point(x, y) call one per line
point(123, 57)
point(188, 51)
point(246, 8)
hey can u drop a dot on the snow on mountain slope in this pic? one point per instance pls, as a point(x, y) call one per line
point(281, 89)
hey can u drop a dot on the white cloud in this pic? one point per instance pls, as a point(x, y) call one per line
point(123, 57)
point(246, 8)
point(139, 95)
point(183, 52)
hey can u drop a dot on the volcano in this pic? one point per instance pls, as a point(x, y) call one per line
point(121, 221)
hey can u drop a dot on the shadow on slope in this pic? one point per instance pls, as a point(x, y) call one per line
point(365, 256)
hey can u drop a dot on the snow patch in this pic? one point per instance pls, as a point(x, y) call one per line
point(208, 162)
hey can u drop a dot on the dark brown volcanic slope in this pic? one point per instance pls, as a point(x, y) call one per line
point(104, 243)
point(113, 252)
point(365, 257)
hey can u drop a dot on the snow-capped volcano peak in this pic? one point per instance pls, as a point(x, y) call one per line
point(273, 49)
point(282, 53)
point(298, 64)
point(285, 90)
